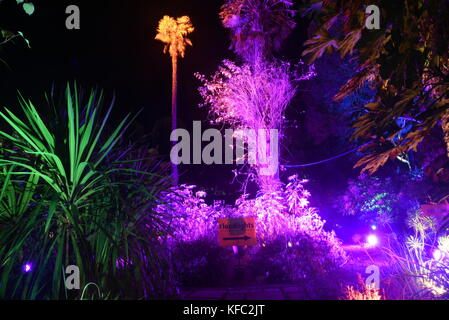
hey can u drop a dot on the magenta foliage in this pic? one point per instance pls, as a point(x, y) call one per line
point(248, 97)
point(285, 214)
point(189, 216)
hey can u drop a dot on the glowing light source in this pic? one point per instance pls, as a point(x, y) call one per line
point(373, 227)
point(372, 240)
point(437, 255)
point(28, 267)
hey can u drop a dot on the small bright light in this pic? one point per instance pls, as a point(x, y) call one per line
point(437, 255)
point(290, 244)
point(373, 227)
point(28, 267)
point(372, 240)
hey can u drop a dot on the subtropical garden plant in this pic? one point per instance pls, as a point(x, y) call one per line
point(421, 266)
point(253, 93)
point(69, 196)
point(382, 202)
point(249, 97)
point(405, 61)
point(292, 243)
point(79, 191)
point(173, 33)
point(10, 36)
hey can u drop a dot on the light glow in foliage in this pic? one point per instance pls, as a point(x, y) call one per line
point(28, 267)
point(372, 241)
point(437, 255)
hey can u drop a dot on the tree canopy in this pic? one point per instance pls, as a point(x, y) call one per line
point(406, 61)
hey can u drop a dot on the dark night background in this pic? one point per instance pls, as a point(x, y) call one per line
point(115, 50)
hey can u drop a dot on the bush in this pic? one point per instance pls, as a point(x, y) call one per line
point(422, 263)
point(380, 201)
point(201, 263)
point(67, 198)
point(292, 244)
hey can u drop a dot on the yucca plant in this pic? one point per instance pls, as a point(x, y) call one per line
point(420, 275)
point(67, 200)
point(144, 234)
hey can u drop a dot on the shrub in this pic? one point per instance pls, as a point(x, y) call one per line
point(200, 263)
point(68, 199)
point(379, 201)
point(292, 243)
point(422, 262)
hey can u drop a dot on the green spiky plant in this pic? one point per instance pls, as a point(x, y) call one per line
point(68, 199)
point(415, 271)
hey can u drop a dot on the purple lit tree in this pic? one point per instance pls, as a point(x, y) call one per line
point(255, 94)
point(258, 27)
point(250, 98)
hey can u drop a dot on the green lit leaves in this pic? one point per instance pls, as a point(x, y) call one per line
point(24, 39)
point(69, 196)
point(70, 169)
point(9, 36)
point(15, 198)
point(28, 7)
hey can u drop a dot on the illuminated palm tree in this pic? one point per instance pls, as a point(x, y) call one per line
point(173, 33)
point(258, 27)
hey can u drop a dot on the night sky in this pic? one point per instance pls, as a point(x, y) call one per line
point(115, 50)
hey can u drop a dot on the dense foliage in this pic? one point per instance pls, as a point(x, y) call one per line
point(406, 61)
point(70, 197)
point(258, 28)
point(292, 244)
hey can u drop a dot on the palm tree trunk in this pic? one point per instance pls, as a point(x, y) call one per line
point(445, 127)
point(175, 176)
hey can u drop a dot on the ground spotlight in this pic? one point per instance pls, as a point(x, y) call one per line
point(28, 267)
point(437, 255)
point(372, 240)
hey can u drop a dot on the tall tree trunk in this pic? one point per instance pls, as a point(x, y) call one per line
point(269, 183)
point(445, 127)
point(175, 176)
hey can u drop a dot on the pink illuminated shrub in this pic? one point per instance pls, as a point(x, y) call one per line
point(189, 216)
point(292, 242)
point(250, 97)
point(286, 212)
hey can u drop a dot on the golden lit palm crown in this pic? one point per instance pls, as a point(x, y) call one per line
point(173, 33)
